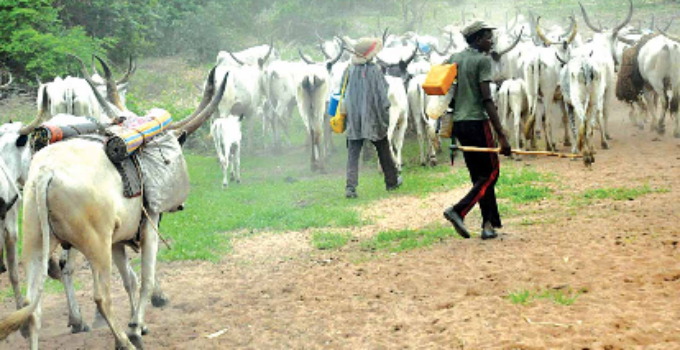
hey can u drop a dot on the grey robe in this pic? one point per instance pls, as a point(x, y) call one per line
point(366, 103)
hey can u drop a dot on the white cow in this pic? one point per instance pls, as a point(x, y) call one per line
point(15, 158)
point(59, 184)
point(279, 83)
point(399, 112)
point(426, 127)
point(312, 95)
point(226, 133)
point(658, 61)
point(584, 85)
point(513, 109)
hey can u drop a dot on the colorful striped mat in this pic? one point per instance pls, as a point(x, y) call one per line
point(136, 132)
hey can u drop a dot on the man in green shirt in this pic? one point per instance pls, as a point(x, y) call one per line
point(473, 117)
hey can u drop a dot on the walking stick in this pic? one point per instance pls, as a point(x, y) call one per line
point(514, 151)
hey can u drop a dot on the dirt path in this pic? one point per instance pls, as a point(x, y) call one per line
point(275, 291)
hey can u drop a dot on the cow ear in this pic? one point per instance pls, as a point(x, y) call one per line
point(22, 140)
point(182, 138)
point(329, 66)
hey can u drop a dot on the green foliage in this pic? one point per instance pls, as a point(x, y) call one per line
point(328, 240)
point(33, 41)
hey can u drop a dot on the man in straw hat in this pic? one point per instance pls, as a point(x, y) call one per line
point(473, 117)
point(367, 106)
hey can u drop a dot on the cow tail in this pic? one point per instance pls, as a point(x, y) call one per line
point(17, 319)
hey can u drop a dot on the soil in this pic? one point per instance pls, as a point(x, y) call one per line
point(275, 291)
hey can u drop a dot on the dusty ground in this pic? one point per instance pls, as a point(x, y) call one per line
point(275, 291)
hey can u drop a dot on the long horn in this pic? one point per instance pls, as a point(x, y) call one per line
point(11, 79)
point(669, 25)
point(323, 51)
point(111, 87)
point(413, 55)
point(196, 122)
point(669, 36)
point(519, 37)
point(385, 36)
point(587, 20)
point(304, 58)
point(102, 101)
point(337, 58)
point(540, 34)
point(132, 68)
point(235, 59)
point(560, 59)
point(443, 53)
point(627, 20)
point(271, 48)
point(574, 30)
point(43, 113)
point(208, 93)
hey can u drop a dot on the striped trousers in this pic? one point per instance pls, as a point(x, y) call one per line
point(484, 170)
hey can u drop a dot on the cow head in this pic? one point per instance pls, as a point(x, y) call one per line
point(607, 37)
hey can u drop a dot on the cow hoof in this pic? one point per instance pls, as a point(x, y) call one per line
point(3, 269)
point(136, 340)
point(159, 300)
point(79, 328)
point(225, 185)
point(567, 144)
point(661, 130)
point(608, 137)
point(145, 330)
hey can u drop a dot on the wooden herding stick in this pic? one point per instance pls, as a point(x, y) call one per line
point(514, 151)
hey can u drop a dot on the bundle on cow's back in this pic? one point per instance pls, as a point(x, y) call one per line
point(630, 83)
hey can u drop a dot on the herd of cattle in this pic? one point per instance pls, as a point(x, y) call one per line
point(543, 77)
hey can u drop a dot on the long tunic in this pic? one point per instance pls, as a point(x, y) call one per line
point(366, 103)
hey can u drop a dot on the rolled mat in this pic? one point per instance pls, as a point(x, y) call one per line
point(135, 134)
point(48, 133)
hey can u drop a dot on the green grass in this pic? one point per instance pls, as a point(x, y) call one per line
point(559, 296)
point(621, 193)
point(395, 241)
point(521, 185)
point(51, 287)
point(329, 241)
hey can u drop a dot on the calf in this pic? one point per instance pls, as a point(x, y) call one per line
point(398, 118)
point(513, 108)
point(226, 132)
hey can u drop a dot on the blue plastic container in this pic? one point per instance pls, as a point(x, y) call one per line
point(424, 48)
point(333, 104)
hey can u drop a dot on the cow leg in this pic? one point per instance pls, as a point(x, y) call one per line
point(127, 274)
point(547, 126)
point(236, 162)
point(565, 125)
point(149, 253)
point(158, 298)
point(3, 268)
point(665, 106)
point(75, 318)
point(517, 118)
point(11, 237)
point(572, 127)
point(101, 273)
point(399, 142)
point(603, 131)
point(674, 111)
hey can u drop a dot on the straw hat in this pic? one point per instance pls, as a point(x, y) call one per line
point(366, 49)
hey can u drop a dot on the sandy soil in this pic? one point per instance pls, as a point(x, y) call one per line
point(276, 292)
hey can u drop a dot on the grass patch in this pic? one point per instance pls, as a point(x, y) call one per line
point(521, 185)
point(558, 296)
point(395, 241)
point(329, 241)
point(51, 287)
point(620, 193)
